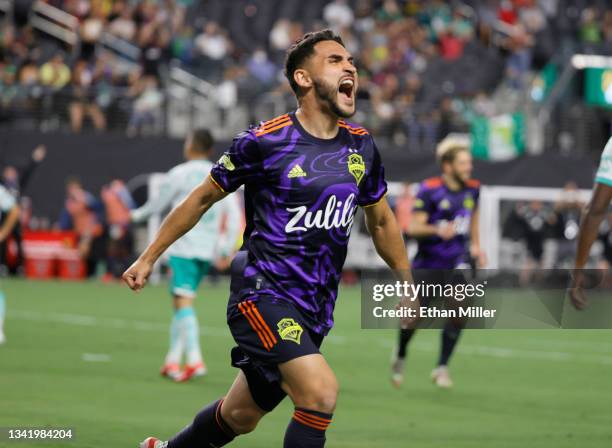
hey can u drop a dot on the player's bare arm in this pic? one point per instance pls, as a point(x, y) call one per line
point(420, 228)
point(9, 223)
point(475, 249)
point(178, 222)
point(389, 244)
point(386, 235)
point(594, 214)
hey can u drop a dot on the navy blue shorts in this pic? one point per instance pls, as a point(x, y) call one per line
point(268, 332)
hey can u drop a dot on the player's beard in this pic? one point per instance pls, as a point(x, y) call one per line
point(459, 179)
point(328, 94)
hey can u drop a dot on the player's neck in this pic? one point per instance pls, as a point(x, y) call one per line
point(317, 123)
point(452, 183)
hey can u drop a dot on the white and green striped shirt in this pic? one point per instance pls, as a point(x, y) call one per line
point(604, 173)
point(7, 201)
point(204, 240)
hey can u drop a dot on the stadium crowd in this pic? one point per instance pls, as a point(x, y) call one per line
point(425, 68)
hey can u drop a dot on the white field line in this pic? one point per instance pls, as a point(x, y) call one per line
point(465, 349)
point(96, 357)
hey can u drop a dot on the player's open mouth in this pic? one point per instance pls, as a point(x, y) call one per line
point(346, 88)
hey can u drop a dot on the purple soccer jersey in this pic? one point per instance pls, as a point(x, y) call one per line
point(445, 206)
point(301, 195)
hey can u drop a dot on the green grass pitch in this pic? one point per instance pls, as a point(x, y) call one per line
point(86, 356)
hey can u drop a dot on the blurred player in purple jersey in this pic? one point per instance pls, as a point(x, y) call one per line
point(304, 175)
point(445, 222)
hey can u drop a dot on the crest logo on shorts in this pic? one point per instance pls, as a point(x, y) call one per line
point(356, 166)
point(290, 330)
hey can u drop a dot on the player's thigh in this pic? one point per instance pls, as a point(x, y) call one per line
point(310, 382)
point(239, 410)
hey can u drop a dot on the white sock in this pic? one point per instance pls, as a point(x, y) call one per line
point(177, 339)
point(192, 342)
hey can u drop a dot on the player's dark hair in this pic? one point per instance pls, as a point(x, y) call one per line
point(302, 49)
point(202, 141)
point(450, 154)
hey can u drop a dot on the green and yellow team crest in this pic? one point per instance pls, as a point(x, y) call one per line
point(468, 202)
point(227, 162)
point(356, 166)
point(290, 330)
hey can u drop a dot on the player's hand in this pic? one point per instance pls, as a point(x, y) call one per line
point(136, 276)
point(576, 291)
point(446, 231)
point(223, 263)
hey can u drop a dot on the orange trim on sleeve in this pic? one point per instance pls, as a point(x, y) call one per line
point(274, 128)
point(433, 182)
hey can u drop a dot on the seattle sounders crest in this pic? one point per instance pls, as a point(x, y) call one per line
point(356, 166)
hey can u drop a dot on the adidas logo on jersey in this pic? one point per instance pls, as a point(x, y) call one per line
point(296, 171)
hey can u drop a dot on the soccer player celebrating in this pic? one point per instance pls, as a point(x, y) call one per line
point(10, 207)
point(445, 222)
point(304, 173)
point(595, 212)
point(192, 254)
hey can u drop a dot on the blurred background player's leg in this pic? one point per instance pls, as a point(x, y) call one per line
point(2, 312)
point(450, 336)
point(172, 364)
point(184, 329)
point(399, 356)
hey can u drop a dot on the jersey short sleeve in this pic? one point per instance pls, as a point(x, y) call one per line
point(374, 186)
point(604, 172)
point(241, 164)
point(7, 201)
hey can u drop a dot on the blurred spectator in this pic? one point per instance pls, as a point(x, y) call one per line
point(28, 73)
point(91, 31)
point(83, 214)
point(280, 36)
point(261, 68)
point(589, 27)
point(451, 46)
point(124, 26)
point(568, 211)
point(83, 95)
point(15, 180)
point(403, 208)
point(436, 41)
point(536, 219)
point(518, 63)
point(147, 105)
point(213, 43)
point(117, 203)
point(338, 14)
point(55, 73)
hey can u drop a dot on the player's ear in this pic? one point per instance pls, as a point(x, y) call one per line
point(302, 78)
